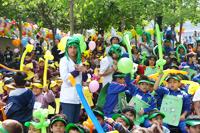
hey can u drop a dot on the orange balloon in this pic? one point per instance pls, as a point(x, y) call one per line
point(16, 42)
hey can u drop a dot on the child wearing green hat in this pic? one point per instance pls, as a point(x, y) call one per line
point(193, 124)
point(173, 88)
point(117, 86)
point(58, 123)
point(31, 126)
point(156, 119)
point(73, 128)
point(141, 91)
point(100, 117)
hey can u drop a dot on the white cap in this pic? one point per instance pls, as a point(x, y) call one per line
point(196, 96)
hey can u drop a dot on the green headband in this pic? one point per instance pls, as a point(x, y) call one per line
point(173, 77)
point(123, 117)
point(192, 122)
point(58, 119)
point(2, 129)
point(120, 75)
point(156, 114)
point(144, 81)
point(72, 125)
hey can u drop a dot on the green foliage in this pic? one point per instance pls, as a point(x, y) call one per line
point(100, 14)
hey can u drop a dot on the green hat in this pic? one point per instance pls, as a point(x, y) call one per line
point(71, 126)
point(119, 75)
point(144, 81)
point(33, 123)
point(193, 120)
point(74, 41)
point(98, 113)
point(115, 116)
point(115, 48)
point(176, 77)
point(152, 82)
point(156, 114)
point(58, 119)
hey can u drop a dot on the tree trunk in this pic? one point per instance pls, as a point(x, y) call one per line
point(71, 11)
point(159, 21)
point(180, 33)
point(54, 35)
point(20, 33)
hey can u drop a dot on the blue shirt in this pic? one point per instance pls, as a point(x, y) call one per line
point(112, 97)
point(162, 91)
point(146, 97)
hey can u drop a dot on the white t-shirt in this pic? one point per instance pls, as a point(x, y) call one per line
point(196, 96)
point(105, 64)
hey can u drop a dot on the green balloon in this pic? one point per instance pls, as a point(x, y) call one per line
point(139, 30)
point(125, 65)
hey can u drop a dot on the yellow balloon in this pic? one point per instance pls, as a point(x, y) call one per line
point(48, 56)
point(193, 86)
point(62, 44)
point(29, 48)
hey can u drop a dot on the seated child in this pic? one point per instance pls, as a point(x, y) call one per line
point(58, 123)
point(156, 117)
point(42, 99)
point(115, 88)
point(12, 126)
point(193, 124)
point(120, 123)
point(100, 117)
point(141, 91)
point(31, 126)
point(173, 88)
point(73, 128)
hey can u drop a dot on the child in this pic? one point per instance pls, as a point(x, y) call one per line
point(31, 127)
point(115, 88)
point(20, 101)
point(173, 88)
point(73, 128)
point(55, 89)
point(12, 126)
point(58, 123)
point(42, 99)
point(100, 117)
point(142, 92)
point(193, 124)
point(156, 117)
point(120, 123)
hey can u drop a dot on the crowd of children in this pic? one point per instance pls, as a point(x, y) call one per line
point(114, 103)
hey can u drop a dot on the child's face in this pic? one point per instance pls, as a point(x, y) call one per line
point(121, 121)
point(55, 88)
point(157, 120)
point(194, 129)
point(144, 87)
point(120, 80)
point(151, 88)
point(58, 127)
point(151, 62)
point(173, 84)
point(197, 107)
point(129, 115)
point(36, 91)
point(33, 130)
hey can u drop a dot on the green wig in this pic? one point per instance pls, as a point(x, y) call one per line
point(115, 48)
point(74, 41)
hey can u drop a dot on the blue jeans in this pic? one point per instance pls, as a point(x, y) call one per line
point(72, 111)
